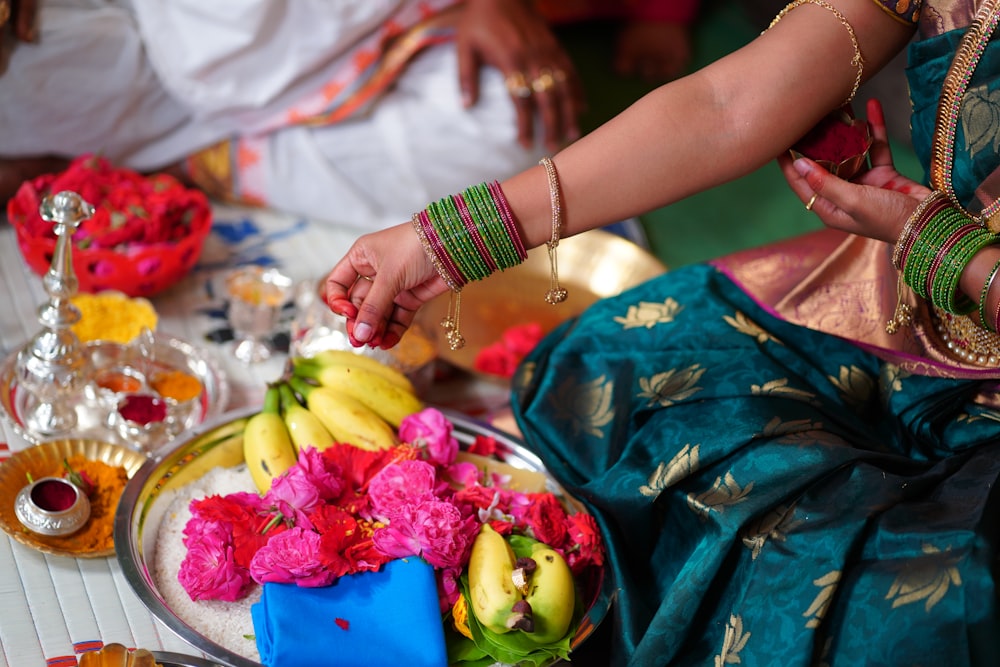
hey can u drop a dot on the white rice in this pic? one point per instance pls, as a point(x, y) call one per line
point(228, 624)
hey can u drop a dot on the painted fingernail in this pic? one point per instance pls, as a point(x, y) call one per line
point(362, 331)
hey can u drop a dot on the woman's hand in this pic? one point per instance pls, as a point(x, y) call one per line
point(513, 37)
point(876, 204)
point(22, 15)
point(380, 284)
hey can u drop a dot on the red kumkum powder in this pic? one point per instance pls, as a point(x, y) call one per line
point(143, 409)
point(53, 495)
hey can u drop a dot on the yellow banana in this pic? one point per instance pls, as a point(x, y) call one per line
point(387, 399)
point(316, 364)
point(267, 446)
point(347, 419)
point(492, 591)
point(304, 427)
point(551, 594)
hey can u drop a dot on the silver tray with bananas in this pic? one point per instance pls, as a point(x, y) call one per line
point(146, 501)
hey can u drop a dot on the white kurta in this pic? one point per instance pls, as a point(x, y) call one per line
point(148, 82)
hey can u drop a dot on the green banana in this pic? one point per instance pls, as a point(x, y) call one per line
point(551, 594)
point(347, 419)
point(492, 591)
point(384, 397)
point(304, 427)
point(313, 367)
point(267, 445)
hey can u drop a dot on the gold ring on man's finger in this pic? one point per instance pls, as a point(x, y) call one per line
point(812, 200)
point(543, 82)
point(517, 85)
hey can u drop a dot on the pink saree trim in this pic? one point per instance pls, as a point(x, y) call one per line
point(844, 285)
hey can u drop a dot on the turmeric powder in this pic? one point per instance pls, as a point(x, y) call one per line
point(108, 483)
point(176, 384)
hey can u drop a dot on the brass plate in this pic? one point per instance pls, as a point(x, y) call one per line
point(44, 458)
point(593, 265)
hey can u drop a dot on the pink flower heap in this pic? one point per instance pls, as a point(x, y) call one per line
point(346, 510)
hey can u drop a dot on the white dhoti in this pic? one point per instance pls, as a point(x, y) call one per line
point(147, 83)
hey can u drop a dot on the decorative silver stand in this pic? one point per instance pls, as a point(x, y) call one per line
point(52, 366)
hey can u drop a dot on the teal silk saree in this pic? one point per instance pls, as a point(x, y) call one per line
point(771, 493)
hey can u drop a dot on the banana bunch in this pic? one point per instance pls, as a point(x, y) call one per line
point(335, 396)
point(534, 595)
point(382, 389)
point(267, 444)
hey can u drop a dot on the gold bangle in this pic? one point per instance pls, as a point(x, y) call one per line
point(857, 60)
point(556, 293)
point(907, 231)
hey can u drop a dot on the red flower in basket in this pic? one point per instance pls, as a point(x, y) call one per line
point(146, 232)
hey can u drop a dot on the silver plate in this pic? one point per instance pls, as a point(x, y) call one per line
point(220, 443)
point(92, 416)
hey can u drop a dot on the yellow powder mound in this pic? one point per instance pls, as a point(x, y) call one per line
point(112, 316)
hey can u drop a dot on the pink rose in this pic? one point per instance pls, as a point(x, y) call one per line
point(325, 475)
point(431, 431)
point(433, 529)
point(208, 571)
point(405, 482)
point(291, 557)
point(293, 495)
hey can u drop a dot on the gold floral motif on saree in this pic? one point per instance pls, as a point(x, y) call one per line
point(684, 463)
point(733, 642)
point(805, 431)
point(925, 580)
point(855, 385)
point(585, 407)
point(890, 381)
point(724, 493)
point(827, 585)
point(780, 388)
point(981, 120)
point(745, 325)
point(669, 387)
point(648, 314)
point(775, 526)
point(968, 418)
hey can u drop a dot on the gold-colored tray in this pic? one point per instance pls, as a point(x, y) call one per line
point(42, 459)
point(593, 265)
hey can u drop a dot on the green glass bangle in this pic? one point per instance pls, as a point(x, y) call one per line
point(926, 247)
point(952, 298)
point(943, 266)
point(490, 223)
point(984, 296)
point(456, 239)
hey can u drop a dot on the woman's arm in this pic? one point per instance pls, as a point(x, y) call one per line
point(713, 126)
point(687, 136)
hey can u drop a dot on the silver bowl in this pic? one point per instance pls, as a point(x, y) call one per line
point(220, 443)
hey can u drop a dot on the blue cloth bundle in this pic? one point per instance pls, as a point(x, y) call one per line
point(389, 617)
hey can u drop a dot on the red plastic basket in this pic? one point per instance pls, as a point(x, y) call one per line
point(139, 269)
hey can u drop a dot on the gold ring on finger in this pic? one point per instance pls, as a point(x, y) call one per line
point(516, 85)
point(543, 82)
point(812, 200)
